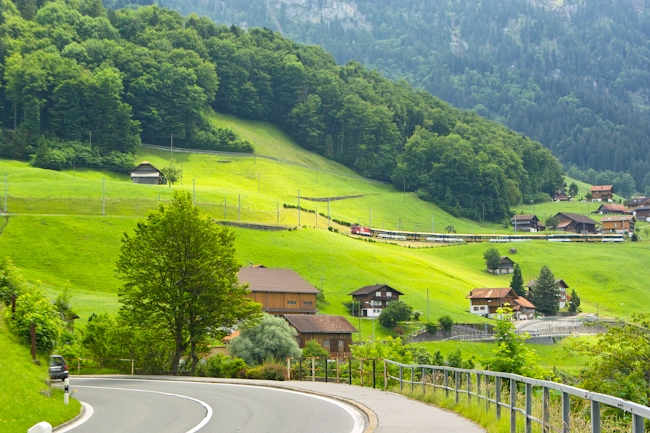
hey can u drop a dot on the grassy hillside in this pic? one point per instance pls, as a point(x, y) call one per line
point(56, 234)
point(27, 399)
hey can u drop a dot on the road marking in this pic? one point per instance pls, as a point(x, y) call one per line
point(86, 416)
point(355, 414)
point(198, 427)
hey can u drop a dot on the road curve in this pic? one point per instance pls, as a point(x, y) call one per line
point(148, 406)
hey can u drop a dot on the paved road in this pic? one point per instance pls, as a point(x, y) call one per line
point(157, 406)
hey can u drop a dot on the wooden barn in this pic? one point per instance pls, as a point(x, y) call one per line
point(506, 266)
point(525, 223)
point(146, 173)
point(280, 291)
point(573, 222)
point(373, 299)
point(612, 209)
point(333, 333)
point(642, 213)
point(618, 224)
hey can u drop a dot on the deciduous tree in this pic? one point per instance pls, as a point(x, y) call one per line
point(179, 272)
point(395, 311)
point(492, 258)
point(272, 339)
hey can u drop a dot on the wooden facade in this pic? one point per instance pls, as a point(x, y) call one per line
point(618, 224)
point(602, 192)
point(571, 222)
point(485, 302)
point(506, 266)
point(372, 299)
point(642, 213)
point(333, 333)
point(612, 209)
point(525, 223)
point(280, 291)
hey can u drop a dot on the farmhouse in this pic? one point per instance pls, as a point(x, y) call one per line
point(280, 291)
point(146, 173)
point(525, 223)
point(560, 196)
point(602, 192)
point(638, 202)
point(612, 209)
point(572, 222)
point(618, 224)
point(485, 302)
point(333, 333)
point(562, 286)
point(372, 299)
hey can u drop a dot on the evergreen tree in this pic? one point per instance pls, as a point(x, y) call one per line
point(517, 282)
point(574, 303)
point(546, 293)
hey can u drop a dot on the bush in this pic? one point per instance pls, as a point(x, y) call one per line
point(446, 323)
point(432, 328)
point(268, 371)
point(224, 366)
point(395, 311)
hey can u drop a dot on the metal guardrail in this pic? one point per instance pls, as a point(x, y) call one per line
point(461, 381)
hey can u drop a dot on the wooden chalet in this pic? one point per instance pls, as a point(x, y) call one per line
point(602, 192)
point(612, 209)
point(485, 302)
point(560, 196)
point(372, 299)
point(573, 222)
point(333, 333)
point(637, 202)
point(525, 223)
point(561, 285)
point(618, 224)
point(642, 213)
point(146, 173)
point(280, 291)
point(506, 266)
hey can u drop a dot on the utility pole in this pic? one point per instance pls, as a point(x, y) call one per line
point(103, 196)
point(428, 318)
point(370, 216)
point(238, 207)
point(7, 190)
point(298, 208)
point(432, 225)
point(328, 214)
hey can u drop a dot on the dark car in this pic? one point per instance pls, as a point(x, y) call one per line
point(58, 368)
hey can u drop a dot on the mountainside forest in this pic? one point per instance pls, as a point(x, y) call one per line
point(82, 85)
point(572, 74)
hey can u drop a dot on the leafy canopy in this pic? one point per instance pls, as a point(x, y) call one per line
point(179, 273)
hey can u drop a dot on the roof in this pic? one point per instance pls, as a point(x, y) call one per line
point(506, 260)
point(275, 280)
point(231, 336)
point(320, 324)
point(612, 207)
point(525, 217)
point(366, 290)
point(524, 302)
point(618, 218)
point(490, 293)
point(637, 201)
point(601, 188)
point(145, 169)
point(577, 218)
point(560, 282)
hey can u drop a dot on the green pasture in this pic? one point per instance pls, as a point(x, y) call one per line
point(27, 398)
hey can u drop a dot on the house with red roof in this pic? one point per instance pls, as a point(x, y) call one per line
point(602, 192)
point(485, 302)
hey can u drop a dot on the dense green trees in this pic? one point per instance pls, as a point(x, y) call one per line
point(179, 274)
point(545, 293)
point(517, 281)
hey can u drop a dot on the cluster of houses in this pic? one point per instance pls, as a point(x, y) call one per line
point(283, 292)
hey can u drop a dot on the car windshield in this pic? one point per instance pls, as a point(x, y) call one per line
point(56, 361)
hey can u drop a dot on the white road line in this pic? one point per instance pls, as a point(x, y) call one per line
point(198, 427)
point(355, 414)
point(86, 416)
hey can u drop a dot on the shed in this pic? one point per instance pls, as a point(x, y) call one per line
point(146, 173)
point(333, 333)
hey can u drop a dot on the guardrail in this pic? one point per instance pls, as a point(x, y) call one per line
point(517, 394)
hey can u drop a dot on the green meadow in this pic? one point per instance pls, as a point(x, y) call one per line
point(57, 235)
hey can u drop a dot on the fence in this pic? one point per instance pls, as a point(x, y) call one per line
point(354, 371)
point(545, 403)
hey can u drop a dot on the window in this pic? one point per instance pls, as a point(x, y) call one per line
point(326, 344)
point(291, 302)
point(341, 345)
point(306, 303)
point(476, 308)
point(377, 294)
point(389, 294)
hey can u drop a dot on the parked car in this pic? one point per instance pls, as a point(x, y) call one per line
point(58, 368)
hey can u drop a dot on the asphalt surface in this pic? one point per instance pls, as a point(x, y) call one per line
point(237, 410)
point(147, 406)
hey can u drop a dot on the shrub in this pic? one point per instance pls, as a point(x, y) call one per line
point(432, 328)
point(221, 365)
point(446, 323)
point(268, 371)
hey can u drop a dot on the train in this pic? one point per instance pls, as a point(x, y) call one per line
point(456, 238)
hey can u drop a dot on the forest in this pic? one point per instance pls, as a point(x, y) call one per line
point(84, 85)
point(573, 75)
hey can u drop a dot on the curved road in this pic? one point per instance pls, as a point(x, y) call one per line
point(151, 406)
